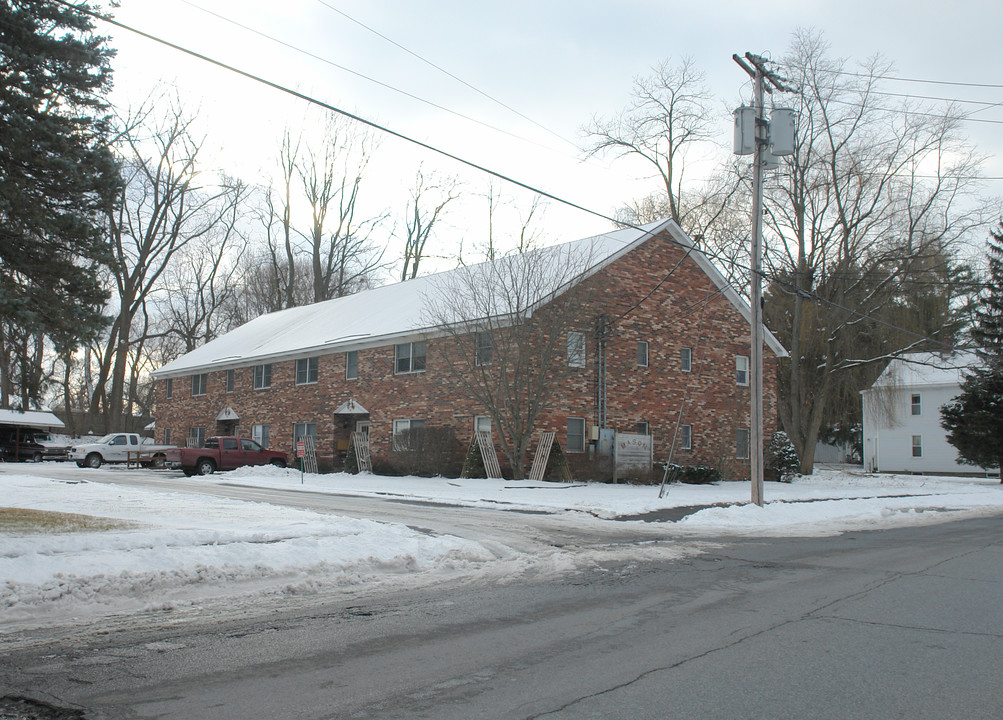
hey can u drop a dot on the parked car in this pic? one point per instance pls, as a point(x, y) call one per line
point(56, 446)
point(223, 453)
point(21, 447)
point(118, 448)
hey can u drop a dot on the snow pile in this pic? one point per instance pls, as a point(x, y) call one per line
point(188, 546)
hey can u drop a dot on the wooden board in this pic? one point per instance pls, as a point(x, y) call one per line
point(362, 458)
point(542, 456)
point(488, 454)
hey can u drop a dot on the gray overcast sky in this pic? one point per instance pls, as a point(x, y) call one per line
point(558, 63)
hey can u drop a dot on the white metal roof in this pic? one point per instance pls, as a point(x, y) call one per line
point(30, 418)
point(387, 314)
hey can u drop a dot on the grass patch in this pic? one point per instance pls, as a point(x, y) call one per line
point(21, 521)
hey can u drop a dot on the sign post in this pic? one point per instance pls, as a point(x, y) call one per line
point(301, 453)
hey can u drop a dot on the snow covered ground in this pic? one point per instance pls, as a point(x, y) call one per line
point(176, 550)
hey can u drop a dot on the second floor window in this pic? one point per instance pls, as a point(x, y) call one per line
point(409, 357)
point(199, 383)
point(642, 354)
point(576, 349)
point(168, 388)
point(917, 405)
point(741, 370)
point(229, 381)
point(483, 348)
point(685, 359)
point(306, 371)
point(352, 365)
point(262, 376)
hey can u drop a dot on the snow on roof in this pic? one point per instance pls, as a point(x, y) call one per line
point(30, 418)
point(392, 313)
point(925, 369)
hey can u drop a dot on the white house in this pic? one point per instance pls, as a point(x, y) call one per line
point(902, 431)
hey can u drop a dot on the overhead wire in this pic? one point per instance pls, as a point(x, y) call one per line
point(543, 193)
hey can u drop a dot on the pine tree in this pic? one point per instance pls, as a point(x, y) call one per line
point(58, 175)
point(974, 419)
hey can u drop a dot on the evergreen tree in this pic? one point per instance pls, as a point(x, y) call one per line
point(58, 175)
point(974, 419)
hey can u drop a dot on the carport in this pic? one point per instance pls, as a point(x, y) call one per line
point(16, 423)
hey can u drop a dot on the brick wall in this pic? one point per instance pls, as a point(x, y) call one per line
point(683, 311)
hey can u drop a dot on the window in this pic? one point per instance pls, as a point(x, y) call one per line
point(685, 359)
point(405, 434)
point(262, 377)
point(483, 348)
point(306, 371)
point(168, 388)
point(259, 433)
point(196, 437)
point(229, 381)
point(642, 354)
point(576, 349)
point(249, 445)
point(917, 446)
point(230, 444)
point(742, 443)
point(741, 370)
point(301, 430)
point(685, 437)
point(352, 365)
point(410, 357)
point(641, 428)
point(917, 405)
point(167, 436)
point(482, 423)
point(199, 383)
point(576, 435)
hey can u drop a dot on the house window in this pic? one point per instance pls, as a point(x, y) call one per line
point(917, 405)
point(406, 434)
point(642, 354)
point(741, 370)
point(685, 437)
point(196, 437)
point(306, 371)
point(229, 381)
point(167, 436)
point(352, 365)
point(409, 358)
point(742, 443)
point(199, 383)
point(262, 377)
point(917, 446)
point(259, 433)
point(641, 428)
point(576, 435)
point(301, 430)
point(483, 348)
point(686, 359)
point(168, 388)
point(576, 349)
point(482, 423)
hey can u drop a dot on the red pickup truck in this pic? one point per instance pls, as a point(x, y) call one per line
point(223, 453)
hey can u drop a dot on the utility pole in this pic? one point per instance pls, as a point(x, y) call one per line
point(756, 136)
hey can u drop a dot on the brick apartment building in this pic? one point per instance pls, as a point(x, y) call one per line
point(674, 361)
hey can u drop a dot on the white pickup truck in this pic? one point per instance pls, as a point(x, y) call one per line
point(118, 448)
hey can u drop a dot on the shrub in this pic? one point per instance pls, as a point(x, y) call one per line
point(426, 451)
point(782, 462)
point(694, 474)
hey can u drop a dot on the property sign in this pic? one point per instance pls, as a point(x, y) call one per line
point(631, 452)
point(300, 449)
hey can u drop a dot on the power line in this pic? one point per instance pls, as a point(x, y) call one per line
point(922, 81)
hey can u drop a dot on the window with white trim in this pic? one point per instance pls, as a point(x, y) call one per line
point(196, 437)
point(404, 436)
point(642, 353)
point(917, 446)
point(576, 349)
point(917, 404)
point(259, 433)
point(576, 435)
point(741, 369)
point(685, 359)
point(409, 357)
point(306, 371)
point(352, 365)
point(685, 437)
point(168, 388)
point(199, 383)
point(262, 376)
point(641, 428)
point(301, 430)
point(742, 443)
point(482, 423)
point(483, 348)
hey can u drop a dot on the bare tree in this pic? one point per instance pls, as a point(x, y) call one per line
point(870, 198)
point(165, 205)
point(506, 326)
point(668, 117)
point(429, 198)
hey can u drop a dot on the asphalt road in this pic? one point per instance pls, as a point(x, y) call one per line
point(900, 623)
